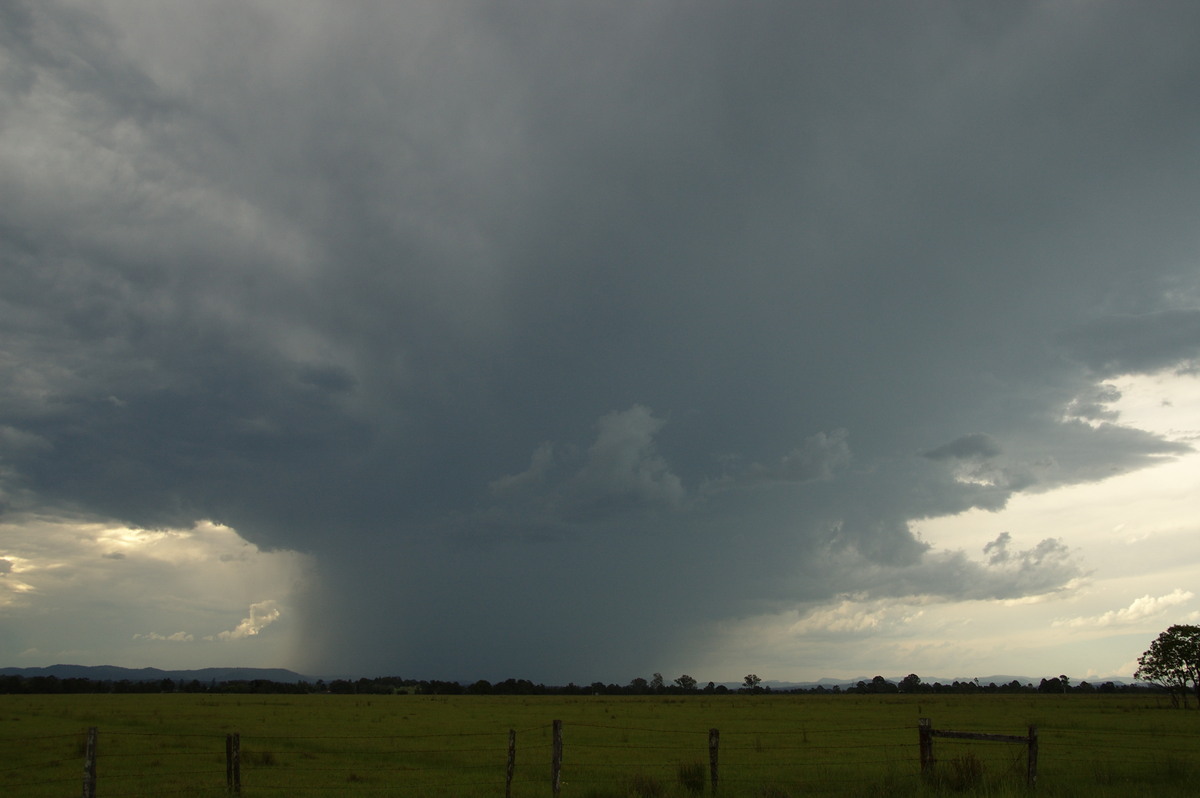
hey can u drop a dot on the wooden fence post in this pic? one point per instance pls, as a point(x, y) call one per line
point(512, 762)
point(556, 760)
point(233, 763)
point(1031, 758)
point(925, 736)
point(714, 743)
point(927, 733)
point(89, 764)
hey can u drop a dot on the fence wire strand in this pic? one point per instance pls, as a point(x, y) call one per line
point(589, 761)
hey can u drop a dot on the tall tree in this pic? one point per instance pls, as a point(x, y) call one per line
point(686, 683)
point(1173, 662)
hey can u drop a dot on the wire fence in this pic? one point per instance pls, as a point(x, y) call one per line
point(578, 759)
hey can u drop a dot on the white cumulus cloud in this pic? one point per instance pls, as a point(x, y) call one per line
point(262, 614)
point(1140, 609)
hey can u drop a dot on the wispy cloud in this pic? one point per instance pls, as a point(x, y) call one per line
point(850, 617)
point(1140, 609)
point(177, 637)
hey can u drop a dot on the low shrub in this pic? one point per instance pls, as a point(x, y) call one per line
point(692, 776)
point(643, 786)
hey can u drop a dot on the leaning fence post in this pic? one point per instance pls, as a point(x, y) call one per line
point(556, 760)
point(89, 764)
point(233, 763)
point(512, 762)
point(714, 743)
point(1031, 758)
point(925, 736)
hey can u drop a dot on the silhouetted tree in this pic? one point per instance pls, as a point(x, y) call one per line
point(686, 683)
point(882, 685)
point(1173, 662)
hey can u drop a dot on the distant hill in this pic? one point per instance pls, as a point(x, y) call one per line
point(101, 673)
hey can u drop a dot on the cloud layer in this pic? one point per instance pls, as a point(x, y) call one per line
point(561, 335)
point(110, 594)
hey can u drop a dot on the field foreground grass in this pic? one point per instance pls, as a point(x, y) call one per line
point(770, 746)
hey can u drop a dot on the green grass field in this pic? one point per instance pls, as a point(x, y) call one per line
point(771, 746)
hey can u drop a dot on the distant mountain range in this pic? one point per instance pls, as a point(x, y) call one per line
point(102, 673)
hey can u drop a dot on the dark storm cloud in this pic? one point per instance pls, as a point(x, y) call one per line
point(620, 471)
point(580, 322)
point(1124, 343)
point(975, 445)
point(820, 457)
point(1047, 567)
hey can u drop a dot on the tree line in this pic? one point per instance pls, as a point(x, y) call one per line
point(1171, 665)
point(684, 685)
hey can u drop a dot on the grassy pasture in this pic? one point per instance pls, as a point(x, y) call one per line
point(654, 747)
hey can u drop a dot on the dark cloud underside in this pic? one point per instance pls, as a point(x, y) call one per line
point(558, 331)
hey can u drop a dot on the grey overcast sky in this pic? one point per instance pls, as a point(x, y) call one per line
point(578, 341)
